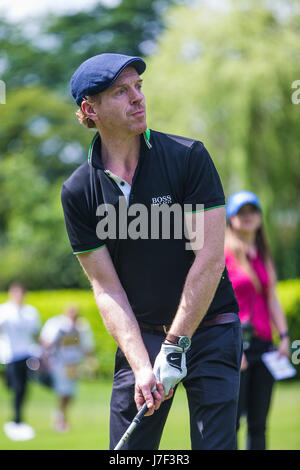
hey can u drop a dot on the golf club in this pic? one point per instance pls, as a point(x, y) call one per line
point(136, 420)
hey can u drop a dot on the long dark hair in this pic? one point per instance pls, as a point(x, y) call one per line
point(237, 248)
point(262, 244)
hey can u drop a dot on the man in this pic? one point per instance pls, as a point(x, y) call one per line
point(66, 340)
point(147, 286)
point(19, 326)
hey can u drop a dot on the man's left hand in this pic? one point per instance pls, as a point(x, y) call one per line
point(170, 366)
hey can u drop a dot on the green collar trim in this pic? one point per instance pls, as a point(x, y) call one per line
point(91, 149)
point(146, 135)
point(147, 138)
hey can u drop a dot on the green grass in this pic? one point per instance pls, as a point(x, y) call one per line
point(89, 419)
point(283, 427)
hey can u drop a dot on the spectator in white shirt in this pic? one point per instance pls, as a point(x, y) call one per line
point(67, 339)
point(19, 326)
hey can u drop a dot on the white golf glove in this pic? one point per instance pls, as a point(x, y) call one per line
point(170, 366)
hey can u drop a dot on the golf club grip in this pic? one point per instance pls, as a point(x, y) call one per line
point(141, 413)
point(136, 420)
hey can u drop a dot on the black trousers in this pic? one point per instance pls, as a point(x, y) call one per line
point(212, 387)
point(255, 395)
point(16, 376)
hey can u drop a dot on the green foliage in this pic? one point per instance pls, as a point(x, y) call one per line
point(225, 77)
point(41, 144)
point(47, 51)
point(289, 295)
point(41, 141)
point(53, 302)
point(42, 125)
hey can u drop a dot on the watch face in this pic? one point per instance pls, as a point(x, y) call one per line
point(184, 342)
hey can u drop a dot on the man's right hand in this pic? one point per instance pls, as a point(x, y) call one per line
point(149, 391)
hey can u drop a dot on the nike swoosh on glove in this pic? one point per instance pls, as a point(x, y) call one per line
point(170, 366)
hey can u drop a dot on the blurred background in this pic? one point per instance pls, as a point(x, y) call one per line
point(224, 72)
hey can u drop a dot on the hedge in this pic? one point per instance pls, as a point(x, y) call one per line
point(51, 303)
point(289, 296)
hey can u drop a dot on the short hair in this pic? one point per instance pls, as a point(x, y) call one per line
point(82, 117)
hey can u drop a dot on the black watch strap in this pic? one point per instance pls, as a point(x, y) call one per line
point(284, 335)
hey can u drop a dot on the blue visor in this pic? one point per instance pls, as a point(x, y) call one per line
point(239, 199)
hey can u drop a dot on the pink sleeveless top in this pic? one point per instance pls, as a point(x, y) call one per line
point(253, 305)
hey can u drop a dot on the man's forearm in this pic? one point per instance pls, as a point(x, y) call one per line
point(205, 273)
point(121, 323)
point(199, 289)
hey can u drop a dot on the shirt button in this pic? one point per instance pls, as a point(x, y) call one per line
point(122, 183)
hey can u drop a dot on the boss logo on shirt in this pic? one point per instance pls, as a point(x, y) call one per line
point(160, 221)
point(161, 200)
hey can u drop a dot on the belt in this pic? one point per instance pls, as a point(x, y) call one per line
point(220, 319)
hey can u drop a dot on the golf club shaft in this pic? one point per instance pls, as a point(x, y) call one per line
point(136, 420)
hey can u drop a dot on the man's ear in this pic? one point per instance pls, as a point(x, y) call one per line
point(89, 111)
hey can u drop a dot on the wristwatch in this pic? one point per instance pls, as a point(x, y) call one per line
point(284, 335)
point(183, 341)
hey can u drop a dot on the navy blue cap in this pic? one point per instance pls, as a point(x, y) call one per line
point(239, 199)
point(99, 72)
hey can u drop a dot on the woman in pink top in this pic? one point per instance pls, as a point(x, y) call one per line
point(253, 276)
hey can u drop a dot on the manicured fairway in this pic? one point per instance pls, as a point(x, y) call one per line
point(89, 419)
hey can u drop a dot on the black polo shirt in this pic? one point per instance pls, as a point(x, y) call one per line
point(171, 170)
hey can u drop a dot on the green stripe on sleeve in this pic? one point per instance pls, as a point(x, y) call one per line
point(87, 251)
point(203, 210)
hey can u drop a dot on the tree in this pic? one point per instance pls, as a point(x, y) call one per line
point(41, 141)
point(40, 145)
point(225, 77)
point(45, 52)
